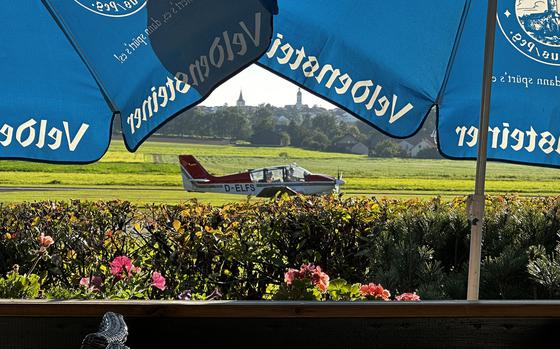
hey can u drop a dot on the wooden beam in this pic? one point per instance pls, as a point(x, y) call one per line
point(264, 309)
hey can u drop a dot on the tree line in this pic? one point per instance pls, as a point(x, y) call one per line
point(310, 128)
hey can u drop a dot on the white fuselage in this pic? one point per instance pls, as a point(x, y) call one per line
point(254, 188)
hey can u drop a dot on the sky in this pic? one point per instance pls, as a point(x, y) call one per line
point(260, 87)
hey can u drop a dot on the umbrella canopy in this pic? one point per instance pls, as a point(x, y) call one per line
point(383, 61)
point(69, 67)
point(525, 105)
point(389, 63)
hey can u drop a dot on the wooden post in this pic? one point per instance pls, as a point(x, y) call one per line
point(477, 213)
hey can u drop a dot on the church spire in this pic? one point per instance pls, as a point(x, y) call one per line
point(299, 102)
point(241, 101)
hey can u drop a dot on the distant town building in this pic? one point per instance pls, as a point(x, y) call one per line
point(359, 149)
point(423, 145)
point(281, 120)
point(240, 101)
point(406, 146)
point(299, 102)
point(349, 118)
point(207, 110)
point(350, 144)
point(344, 116)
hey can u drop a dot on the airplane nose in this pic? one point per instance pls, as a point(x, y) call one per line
point(339, 182)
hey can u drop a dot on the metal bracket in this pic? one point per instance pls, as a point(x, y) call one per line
point(471, 216)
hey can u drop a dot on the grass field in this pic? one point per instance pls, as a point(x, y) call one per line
point(151, 175)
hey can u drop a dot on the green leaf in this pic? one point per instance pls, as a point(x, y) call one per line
point(176, 225)
point(337, 284)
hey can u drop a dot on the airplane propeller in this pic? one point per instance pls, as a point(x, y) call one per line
point(339, 181)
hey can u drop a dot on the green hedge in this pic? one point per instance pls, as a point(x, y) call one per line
point(238, 251)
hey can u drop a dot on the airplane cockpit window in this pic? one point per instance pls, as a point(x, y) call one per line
point(257, 176)
point(274, 175)
point(295, 174)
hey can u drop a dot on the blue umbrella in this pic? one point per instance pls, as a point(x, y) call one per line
point(69, 67)
point(390, 62)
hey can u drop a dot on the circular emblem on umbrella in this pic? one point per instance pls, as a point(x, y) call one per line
point(533, 28)
point(113, 8)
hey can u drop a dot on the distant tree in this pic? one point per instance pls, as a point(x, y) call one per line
point(317, 140)
point(370, 135)
point(429, 153)
point(297, 133)
point(231, 123)
point(263, 125)
point(181, 124)
point(263, 111)
point(307, 127)
point(285, 139)
point(267, 137)
point(389, 149)
point(328, 124)
point(198, 123)
point(351, 129)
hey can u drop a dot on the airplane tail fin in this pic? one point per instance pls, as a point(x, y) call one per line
point(193, 172)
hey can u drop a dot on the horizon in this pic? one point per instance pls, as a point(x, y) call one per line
point(260, 86)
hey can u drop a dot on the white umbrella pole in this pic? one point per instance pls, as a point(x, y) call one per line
point(477, 213)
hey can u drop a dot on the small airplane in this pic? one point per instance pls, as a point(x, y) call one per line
point(261, 182)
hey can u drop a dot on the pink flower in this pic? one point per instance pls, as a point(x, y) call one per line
point(310, 273)
point(123, 264)
point(45, 241)
point(291, 275)
point(375, 291)
point(94, 283)
point(158, 281)
point(308, 269)
point(320, 279)
point(386, 295)
point(407, 297)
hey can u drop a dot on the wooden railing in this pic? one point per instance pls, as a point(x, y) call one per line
point(216, 324)
point(265, 309)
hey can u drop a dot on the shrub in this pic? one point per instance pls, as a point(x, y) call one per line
point(242, 250)
point(16, 286)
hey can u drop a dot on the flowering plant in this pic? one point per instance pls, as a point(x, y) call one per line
point(92, 283)
point(42, 253)
point(311, 273)
point(158, 281)
point(372, 291)
point(308, 282)
point(407, 297)
point(122, 280)
point(122, 268)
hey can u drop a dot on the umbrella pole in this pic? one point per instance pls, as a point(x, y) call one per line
point(477, 208)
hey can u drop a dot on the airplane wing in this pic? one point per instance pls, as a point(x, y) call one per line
point(272, 191)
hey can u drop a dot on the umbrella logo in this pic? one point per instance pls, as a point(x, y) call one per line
point(113, 8)
point(202, 58)
point(533, 28)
